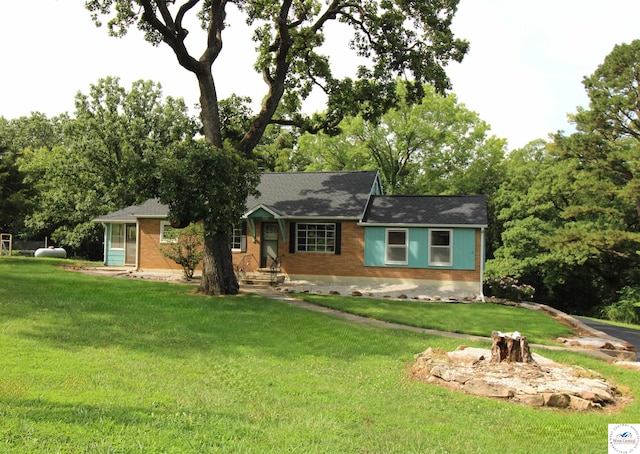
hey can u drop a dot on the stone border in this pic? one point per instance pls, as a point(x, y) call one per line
point(542, 383)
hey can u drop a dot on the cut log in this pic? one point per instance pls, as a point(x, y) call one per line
point(511, 348)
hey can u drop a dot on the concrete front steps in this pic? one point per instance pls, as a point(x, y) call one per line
point(262, 276)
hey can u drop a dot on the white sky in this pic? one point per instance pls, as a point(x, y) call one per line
point(522, 75)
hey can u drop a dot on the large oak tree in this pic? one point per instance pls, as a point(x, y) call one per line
point(401, 38)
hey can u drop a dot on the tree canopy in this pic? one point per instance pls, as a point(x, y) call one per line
point(106, 158)
point(571, 208)
point(436, 146)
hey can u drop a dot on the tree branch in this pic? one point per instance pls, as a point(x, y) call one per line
point(182, 11)
point(214, 32)
point(166, 15)
point(275, 81)
point(175, 41)
point(329, 14)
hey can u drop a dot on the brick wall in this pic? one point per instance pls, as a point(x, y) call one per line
point(350, 263)
point(149, 255)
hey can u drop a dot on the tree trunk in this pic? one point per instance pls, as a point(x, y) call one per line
point(209, 111)
point(218, 277)
point(511, 348)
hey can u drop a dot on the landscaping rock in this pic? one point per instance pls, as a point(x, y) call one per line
point(559, 400)
point(531, 400)
point(480, 387)
point(579, 404)
point(542, 383)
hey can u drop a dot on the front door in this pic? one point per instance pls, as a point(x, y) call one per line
point(130, 245)
point(269, 248)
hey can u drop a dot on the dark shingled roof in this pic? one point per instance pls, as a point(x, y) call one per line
point(315, 194)
point(292, 194)
point(428, 210)
point(152, 208)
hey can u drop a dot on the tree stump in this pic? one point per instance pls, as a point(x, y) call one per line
point(510, 347)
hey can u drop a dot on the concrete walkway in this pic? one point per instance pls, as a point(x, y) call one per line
point(608, 355)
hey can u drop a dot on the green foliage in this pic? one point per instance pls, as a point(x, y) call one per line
point(14, 193)
point(205, 184)
point(399, 38)
point(185, 247)
point(17, 193)
point(627, 308)
point(436, 146)
point(106, 159)
point(613, 95)
point(568, 229)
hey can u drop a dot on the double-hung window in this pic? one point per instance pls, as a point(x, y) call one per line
point(239, 237)
point(236, 238)
point(316, 237)
point(168, 234)
point(397, 247)
point(440, 242)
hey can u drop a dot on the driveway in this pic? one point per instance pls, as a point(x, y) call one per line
point(626, 334)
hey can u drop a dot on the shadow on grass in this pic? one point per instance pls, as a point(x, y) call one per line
point(72, 311)
point(41, 425)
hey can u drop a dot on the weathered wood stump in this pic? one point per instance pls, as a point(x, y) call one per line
point(510, 347)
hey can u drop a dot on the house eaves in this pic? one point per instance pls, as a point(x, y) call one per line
point(430, 226)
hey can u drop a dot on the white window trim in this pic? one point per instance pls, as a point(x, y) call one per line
point(124, 237)
point(450, 247)
point(317, 252)
point(239, 236)
point(387, 261)
point(164, 224)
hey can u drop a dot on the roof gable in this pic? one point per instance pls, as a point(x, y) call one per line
point(468, 210)
point(316, 194)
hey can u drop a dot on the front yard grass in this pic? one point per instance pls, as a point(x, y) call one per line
point(478, 319)
point(104, 365)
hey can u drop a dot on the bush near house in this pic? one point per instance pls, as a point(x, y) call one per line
point(186, 250)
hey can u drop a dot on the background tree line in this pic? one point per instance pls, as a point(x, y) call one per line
point(564, 212)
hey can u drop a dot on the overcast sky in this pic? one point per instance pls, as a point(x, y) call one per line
point(523, 74)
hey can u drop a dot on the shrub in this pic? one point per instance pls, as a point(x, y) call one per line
point(509, 288)
point(186, 250)
point(627, 308)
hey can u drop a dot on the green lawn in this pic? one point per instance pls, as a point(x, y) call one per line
point(102, 365)
point(477, 319)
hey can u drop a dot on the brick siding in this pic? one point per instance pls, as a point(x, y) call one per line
point(350, 263)
point(149, 255)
